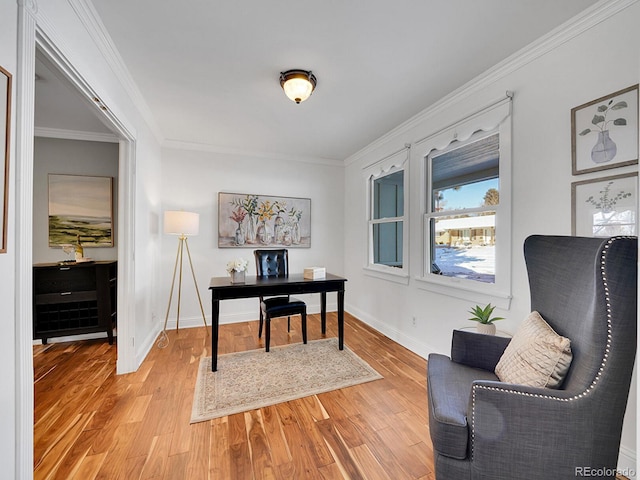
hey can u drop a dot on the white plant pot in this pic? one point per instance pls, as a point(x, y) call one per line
point(486, 328)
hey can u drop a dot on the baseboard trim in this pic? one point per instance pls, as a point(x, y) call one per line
point(627, 463)
point(74, 338)
point(417, 347)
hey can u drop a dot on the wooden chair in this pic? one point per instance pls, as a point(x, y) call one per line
point(275, 263)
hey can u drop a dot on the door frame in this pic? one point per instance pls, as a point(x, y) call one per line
point(36, 33)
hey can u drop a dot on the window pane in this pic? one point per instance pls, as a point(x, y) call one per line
point(387, 244)
point(472, 195)
point(388, 200)
point(463, 246)
point(466, 176)
point(468, 163)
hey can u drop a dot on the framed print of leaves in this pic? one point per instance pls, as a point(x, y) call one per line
point(605, 207)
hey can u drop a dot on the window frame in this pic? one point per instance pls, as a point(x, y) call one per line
point(386, 272)
point(497, 119)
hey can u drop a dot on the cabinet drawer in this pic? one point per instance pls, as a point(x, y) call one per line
point(65, 297)
point(63, 279)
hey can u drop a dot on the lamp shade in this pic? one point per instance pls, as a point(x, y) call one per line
point(181, 223)
point(298, 84)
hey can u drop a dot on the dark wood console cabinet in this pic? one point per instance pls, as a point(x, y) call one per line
point(73, 299)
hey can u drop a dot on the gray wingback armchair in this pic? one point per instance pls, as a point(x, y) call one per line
point(481, 428)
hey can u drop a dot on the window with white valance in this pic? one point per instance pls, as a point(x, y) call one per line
point(386, 214)
point(466, 207)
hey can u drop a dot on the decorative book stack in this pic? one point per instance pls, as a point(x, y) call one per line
point(315, 272)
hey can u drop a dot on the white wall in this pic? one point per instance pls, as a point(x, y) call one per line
point(192, 180)
point(8, 60)
point(147, 210)
point(66, 25)
point(69, 157)
point(601, 60)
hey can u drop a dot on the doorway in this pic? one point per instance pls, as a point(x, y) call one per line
point(75, 198)
point(32, 37)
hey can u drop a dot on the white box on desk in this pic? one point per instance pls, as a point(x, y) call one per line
point(314, 273)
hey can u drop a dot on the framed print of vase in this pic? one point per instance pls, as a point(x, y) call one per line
point(604, 207)
point(604, 132)
point(256, 221)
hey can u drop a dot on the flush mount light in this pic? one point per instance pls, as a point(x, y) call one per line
point(297, 84)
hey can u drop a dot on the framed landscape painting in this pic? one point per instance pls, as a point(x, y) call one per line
point(605, 207)
point(255, 221)
point(604, 132)
point(80, 209)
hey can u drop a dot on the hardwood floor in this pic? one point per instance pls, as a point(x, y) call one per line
point(92, 424)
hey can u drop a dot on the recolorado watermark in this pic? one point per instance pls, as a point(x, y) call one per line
point(604, 472)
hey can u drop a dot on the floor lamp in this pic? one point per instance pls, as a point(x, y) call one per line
point(183, 224)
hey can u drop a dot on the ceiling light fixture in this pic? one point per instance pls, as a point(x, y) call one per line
point(298, 84)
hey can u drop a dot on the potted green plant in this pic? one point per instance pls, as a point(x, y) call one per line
point(484, 318)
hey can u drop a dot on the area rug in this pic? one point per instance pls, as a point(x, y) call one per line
point(254, 379)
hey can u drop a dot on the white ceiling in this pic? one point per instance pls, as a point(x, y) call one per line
point(59, 106)
point(209, 70)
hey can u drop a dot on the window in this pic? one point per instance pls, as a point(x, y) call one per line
point(388, 219)
point(466, 207)
point(464, 187)
point(387, 224)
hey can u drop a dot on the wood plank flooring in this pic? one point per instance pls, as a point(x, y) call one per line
point(92, 424)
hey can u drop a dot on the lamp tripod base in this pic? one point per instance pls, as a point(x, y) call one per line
point(163, 339)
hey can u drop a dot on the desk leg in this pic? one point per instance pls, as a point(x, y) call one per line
point(215, 322)
point(323, 311)
point(341, 319)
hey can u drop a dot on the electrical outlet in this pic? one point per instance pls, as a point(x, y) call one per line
point(413, 321)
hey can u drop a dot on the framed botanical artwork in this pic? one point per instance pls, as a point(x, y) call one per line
point(80, 209)
point(255, 221)
point(605, 207)
point(604, 132)
point(5, 135)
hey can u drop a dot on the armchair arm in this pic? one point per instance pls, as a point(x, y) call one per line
point(516, 429)
point(477, 350)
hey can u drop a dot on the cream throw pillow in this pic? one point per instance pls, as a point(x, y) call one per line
point(536, 356)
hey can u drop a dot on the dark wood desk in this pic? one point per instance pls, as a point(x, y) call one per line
point(295, 284)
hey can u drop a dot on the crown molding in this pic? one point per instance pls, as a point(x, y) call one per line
point(204, 147)
point(577, 25)
point(89, 17)
point(75, 135)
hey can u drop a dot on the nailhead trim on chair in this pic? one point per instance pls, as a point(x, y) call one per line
point(603, 255)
